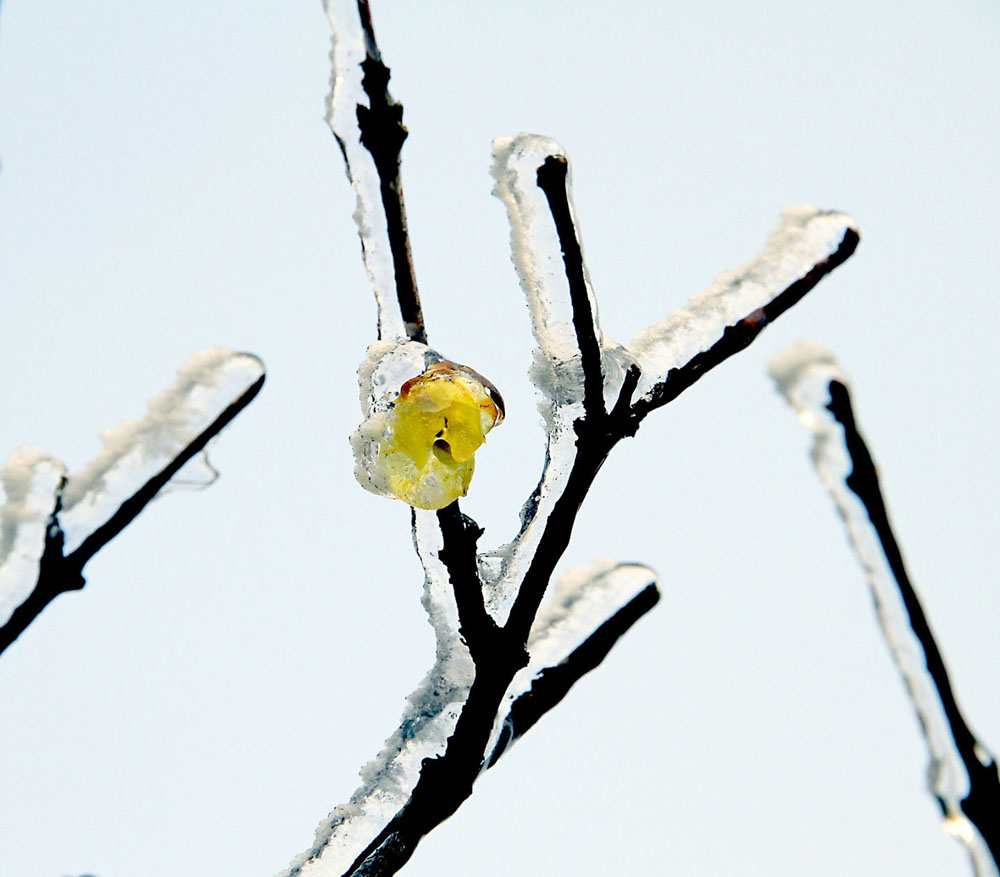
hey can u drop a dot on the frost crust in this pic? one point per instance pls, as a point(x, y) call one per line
point(31, 481)
point(136, 450)
point(803, 374)
point(805, 237)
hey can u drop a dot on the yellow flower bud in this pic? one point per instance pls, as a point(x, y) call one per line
point(434, 428)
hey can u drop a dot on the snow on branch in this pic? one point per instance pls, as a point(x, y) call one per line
point(502, 658)
point(51, 525)
point(962, 774)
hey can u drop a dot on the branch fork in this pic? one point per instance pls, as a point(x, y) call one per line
point(502, 659)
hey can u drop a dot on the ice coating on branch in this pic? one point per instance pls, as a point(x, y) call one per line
point(346, 95)
point(556, 369)
point(388, 780)
point(31, 482)
point(428, 721)
point(137, 450)
point(803, 373)
point(420, 434)
point(804, 238)
point(582, 600)
point(537, 256)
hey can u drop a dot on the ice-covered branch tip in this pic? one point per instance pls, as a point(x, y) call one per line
point(368, 125)
point(725, 318)
point(590, 610)
point(962, 775)
point(50, 525)
point(573, 358)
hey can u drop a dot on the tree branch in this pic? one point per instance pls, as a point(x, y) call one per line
point(576, 369)
point(814, 384)
point(59, 572)
point(982, 803)
point(742, 333)
point(552, 180)
point(553, 683)
point(368, 125)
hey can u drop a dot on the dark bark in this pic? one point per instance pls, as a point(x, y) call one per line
point(59, 574)
point(982, 804)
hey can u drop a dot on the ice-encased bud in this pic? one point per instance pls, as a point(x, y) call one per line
point(420, 449)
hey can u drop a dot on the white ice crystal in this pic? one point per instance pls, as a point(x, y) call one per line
point(805, 237)
point(136, 450)
point(583, 599)
point(31, 483)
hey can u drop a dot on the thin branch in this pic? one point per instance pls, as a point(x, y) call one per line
point(741, 334)
point(552, 180)
point(59, 573)
point(460, 534)
point(376, 129)
point(963, 777)
point(982, 803)
point(554, 683)
point(533, 182)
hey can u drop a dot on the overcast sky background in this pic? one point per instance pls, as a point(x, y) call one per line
point(168, 184)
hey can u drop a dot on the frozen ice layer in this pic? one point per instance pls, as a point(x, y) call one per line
point(806, 376)
point(428, 721)
point(387, 781)
point(804, 238)
point(137, 450)
point(31, 482)
point(582, 600)
point(538, 260)
point(346, 95)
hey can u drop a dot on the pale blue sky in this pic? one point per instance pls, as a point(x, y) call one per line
point(168, 184)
